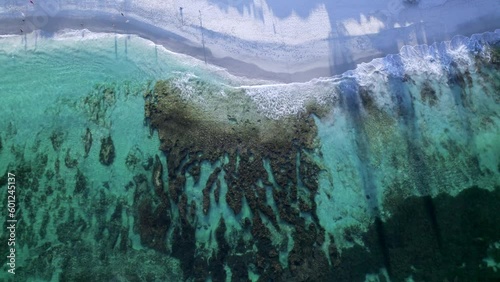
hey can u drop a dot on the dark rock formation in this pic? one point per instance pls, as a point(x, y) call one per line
point(80, 182)
point(157, 179)
point(428, 94)
point(98, 104)
point(469, 223)
point(217, 191)
point(153, 225)
point(206, 191)
point(57, 138)
point(495, 55)
point(87, 141)
point(107, 152)
point(191, 134)
point(147, 163)
point(68, 161)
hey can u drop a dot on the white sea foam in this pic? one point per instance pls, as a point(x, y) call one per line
point(279, 100)
point(434, 59)
point(7, 35)
point(187, 89)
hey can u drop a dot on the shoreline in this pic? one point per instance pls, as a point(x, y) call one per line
point(346, 52)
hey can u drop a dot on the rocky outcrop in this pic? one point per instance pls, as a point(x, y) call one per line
point(87, 141)
point(107, 152)
point(238, 142)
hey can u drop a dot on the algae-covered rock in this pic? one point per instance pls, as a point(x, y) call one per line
point(87, 141)
point(80, 182)
point(69, 161)
point(57, 138)
point(107, 152)
point(200, 122)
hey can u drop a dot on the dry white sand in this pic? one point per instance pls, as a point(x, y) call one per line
point(267, 39)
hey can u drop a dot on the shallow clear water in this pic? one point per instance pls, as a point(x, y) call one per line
point(404, 136)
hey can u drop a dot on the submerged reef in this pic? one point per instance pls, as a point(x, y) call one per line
point(107, 153)
point(468, 222)
point(269, 179)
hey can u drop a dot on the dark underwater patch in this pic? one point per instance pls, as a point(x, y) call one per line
point(469, 223)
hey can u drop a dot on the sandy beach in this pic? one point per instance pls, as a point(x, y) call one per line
point(265, 40)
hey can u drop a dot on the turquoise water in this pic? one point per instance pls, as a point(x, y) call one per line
point(407, 145)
